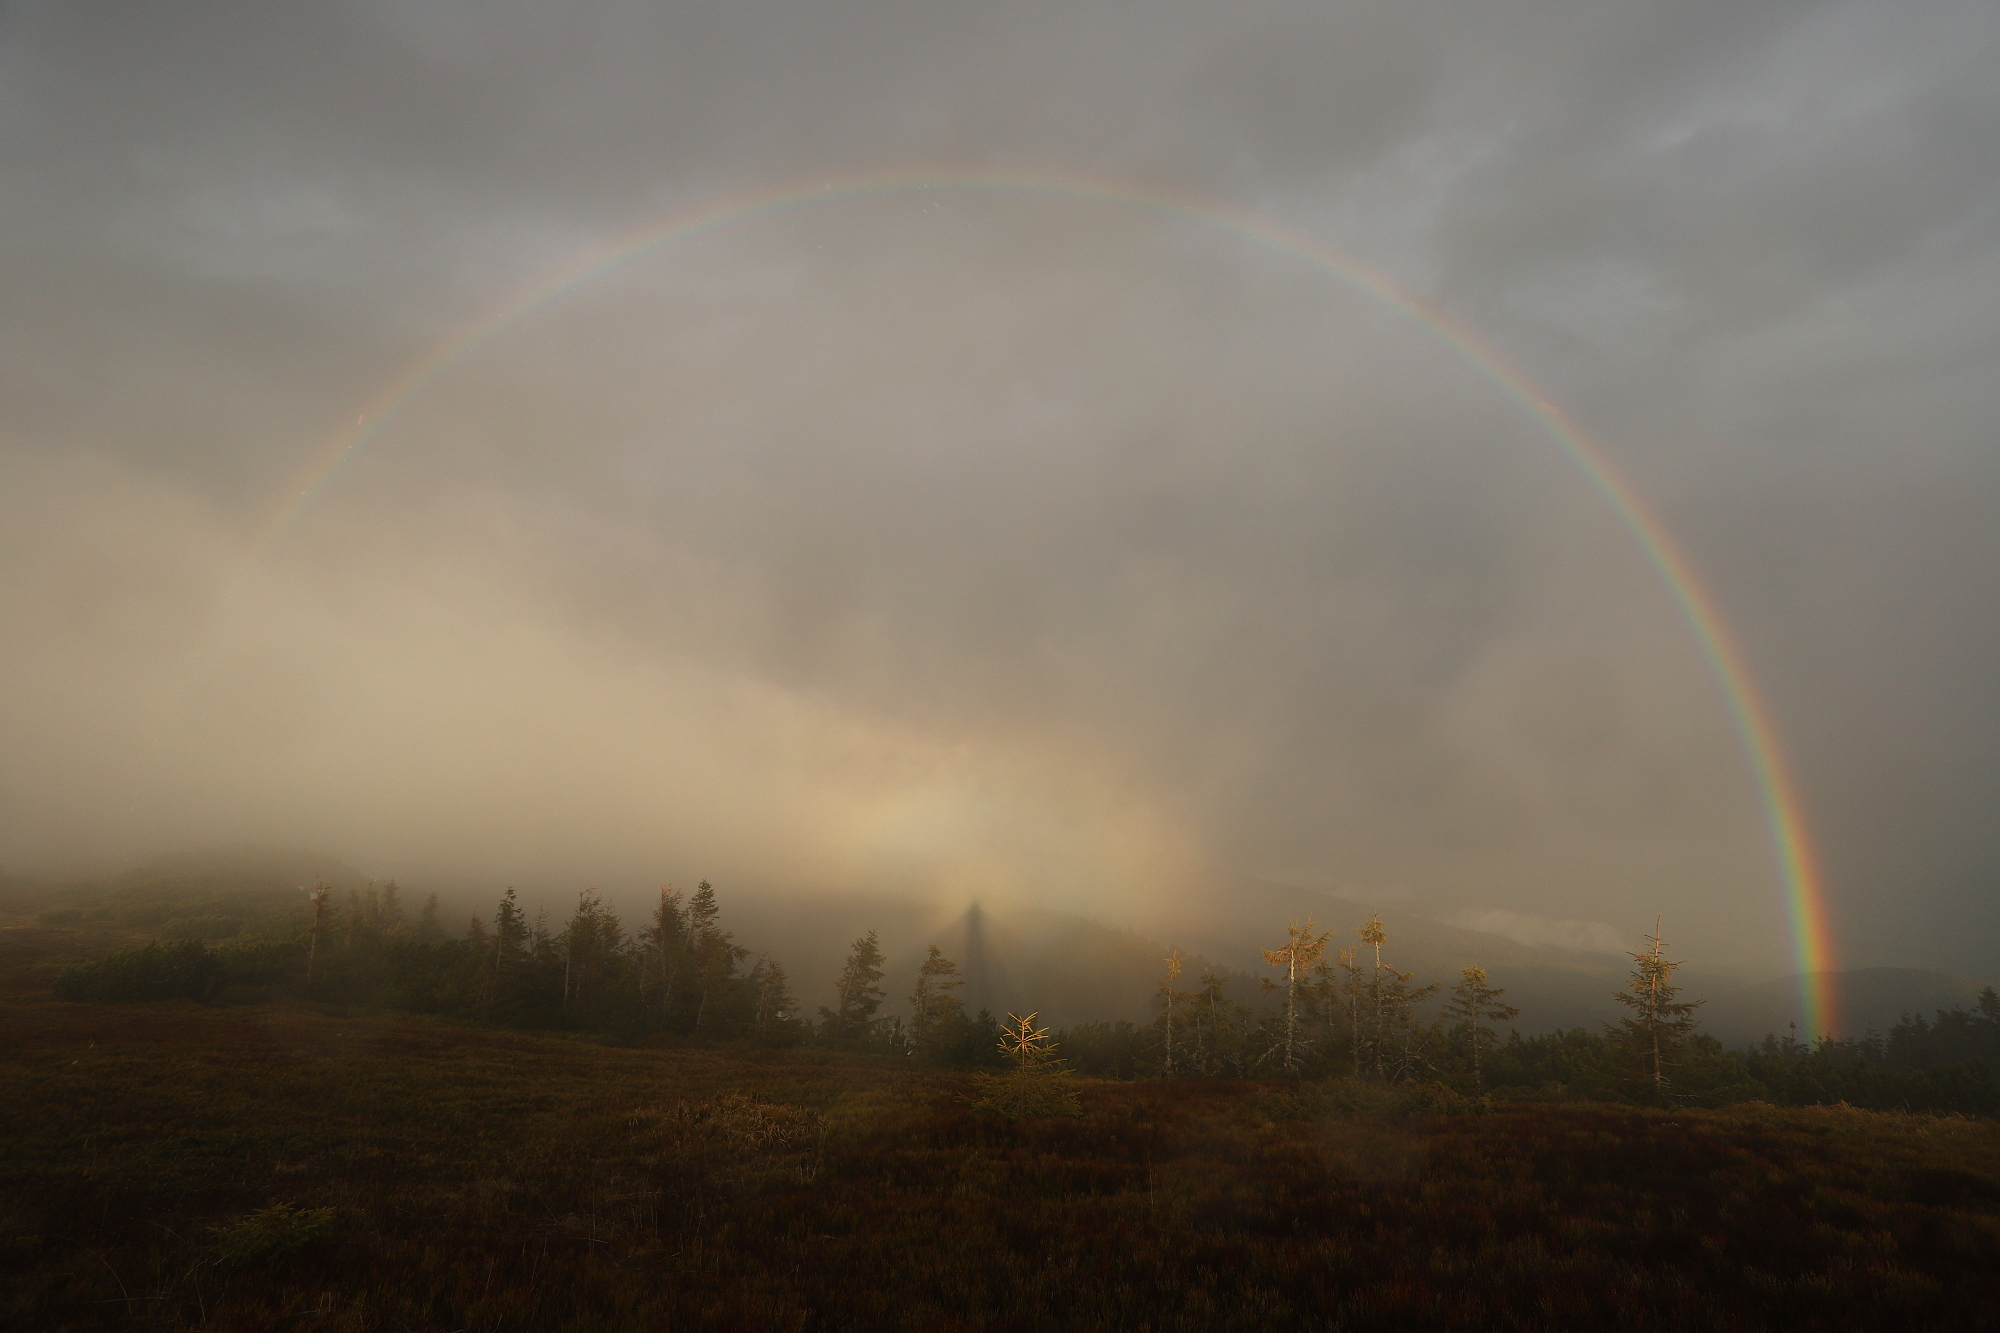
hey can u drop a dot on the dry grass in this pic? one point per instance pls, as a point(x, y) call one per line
point(175, 1166)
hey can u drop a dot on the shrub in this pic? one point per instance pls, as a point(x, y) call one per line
point(271, 1233)
point(184, 970)
point(1024, 1094)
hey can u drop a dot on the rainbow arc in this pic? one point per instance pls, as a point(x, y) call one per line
point(1791, 847)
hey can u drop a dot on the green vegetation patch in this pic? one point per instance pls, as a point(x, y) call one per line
point(271, 1233)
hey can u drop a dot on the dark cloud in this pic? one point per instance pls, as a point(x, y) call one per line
point(1012, 542)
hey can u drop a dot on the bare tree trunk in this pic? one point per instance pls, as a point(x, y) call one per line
point(319, 894)
point(1653, 1013)
point(1381, 1019)
point(1291, 1009)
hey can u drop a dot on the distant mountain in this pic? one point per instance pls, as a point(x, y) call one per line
point(1868, 997)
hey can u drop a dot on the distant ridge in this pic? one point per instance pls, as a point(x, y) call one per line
point(244, 867)
point(1020, 956)
point(1870, 997)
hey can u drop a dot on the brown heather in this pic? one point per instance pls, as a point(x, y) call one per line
point(175, 1166)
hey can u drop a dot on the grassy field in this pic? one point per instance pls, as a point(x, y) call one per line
point(180, 1166)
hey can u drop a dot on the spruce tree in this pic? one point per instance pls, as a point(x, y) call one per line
point(857, 996)
point(667, 939)
point(1394, 1039)
point(428, 928)
point(392, 909)
point(715, 977)
point(592, 944)
point(774, 1013)
point(510, 950)
point(1473, 1003)
point(702, 914)
point(1222, 1028)
point(1300, 951)
point(1660, 1023)
point(711, 954)
point(935, 1013)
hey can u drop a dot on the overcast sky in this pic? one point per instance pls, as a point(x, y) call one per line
point(968, 543)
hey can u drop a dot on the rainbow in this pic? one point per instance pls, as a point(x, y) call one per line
point(1791, 847)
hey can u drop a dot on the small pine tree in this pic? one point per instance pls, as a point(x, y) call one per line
point(857, 996)
point(1025, 1044)
point(1038, 1083)
point(1660, 1023)
point(1472, 1005)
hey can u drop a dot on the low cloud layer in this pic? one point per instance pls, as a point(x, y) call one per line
point(965, 543)
point(1564, 933)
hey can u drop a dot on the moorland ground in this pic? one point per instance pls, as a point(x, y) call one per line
point(175, 1165)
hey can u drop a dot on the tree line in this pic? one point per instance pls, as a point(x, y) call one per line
point(1355, 1015)
point(679, 972)
point(1345, 1012)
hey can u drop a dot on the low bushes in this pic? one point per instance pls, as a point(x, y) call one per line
point(182, 970)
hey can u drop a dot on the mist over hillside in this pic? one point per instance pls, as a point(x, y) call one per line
point(1015, 956)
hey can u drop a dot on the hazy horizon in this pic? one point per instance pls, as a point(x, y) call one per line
point(1012, 544)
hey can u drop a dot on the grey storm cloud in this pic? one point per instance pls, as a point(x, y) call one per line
point(973, 542)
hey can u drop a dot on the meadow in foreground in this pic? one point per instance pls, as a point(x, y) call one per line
point(177, 1166)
